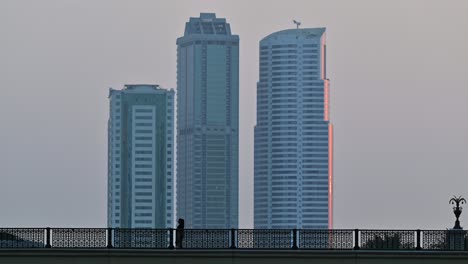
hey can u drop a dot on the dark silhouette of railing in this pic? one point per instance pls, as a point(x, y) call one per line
point(304, 239)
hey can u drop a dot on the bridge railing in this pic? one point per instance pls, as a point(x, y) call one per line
point(22, 237)
point(304, 239)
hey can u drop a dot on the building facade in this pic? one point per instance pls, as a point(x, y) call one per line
point(293, 143)
point(140, 157)
point(207, 123)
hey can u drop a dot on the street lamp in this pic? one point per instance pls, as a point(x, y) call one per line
point(457, 210)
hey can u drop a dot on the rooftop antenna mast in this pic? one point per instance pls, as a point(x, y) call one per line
point(298, 23)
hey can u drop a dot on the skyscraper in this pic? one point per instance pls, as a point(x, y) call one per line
point(140, 157)
point(207, 123)
point(293, 136)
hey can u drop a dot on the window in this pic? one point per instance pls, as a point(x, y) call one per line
point(143, 221)
point(143, 131)
point(144, 193)
point(143, 173)
point(148, 166)
point(143, 145)
point(143, 110)
point(143, 117)
point(143, 138)
point(143, 200)
point(143, 207)
point(143, 159)
point(144, 152)
point(143, 180)
point(143, 214)
point(143, 187)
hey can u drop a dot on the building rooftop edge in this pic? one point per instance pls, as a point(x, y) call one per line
point(207, 24)
point(142, 88)
point(193, 37)
point(319, 30)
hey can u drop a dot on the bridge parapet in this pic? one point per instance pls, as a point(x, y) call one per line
point(260, 239)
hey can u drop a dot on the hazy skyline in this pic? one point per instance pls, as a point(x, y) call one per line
point(399, 93)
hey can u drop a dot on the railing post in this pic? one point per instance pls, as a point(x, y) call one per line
point(233, 238)
point(47, 245)
point(356, 239)
point(109, 237)
point(294, 239)
point(418, 239)
point(171, 238)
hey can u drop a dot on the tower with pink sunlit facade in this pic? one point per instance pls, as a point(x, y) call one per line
point(293, 161)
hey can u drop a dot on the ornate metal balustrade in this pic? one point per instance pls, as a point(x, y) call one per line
point(435, 239)
point(326, 239)
point(303, 239)
point(445, 240)
point(22, 237)
point(265, 238)
point(79, 237)
point(141, 238)
point(388, 239)
point(206, 238)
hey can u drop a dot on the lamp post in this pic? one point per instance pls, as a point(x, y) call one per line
point(457, 209)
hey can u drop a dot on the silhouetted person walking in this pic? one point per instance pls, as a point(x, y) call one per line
point(179, 233)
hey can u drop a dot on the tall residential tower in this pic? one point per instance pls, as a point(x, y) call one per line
point(140, 158)
point(293, 136)
point(207, 124)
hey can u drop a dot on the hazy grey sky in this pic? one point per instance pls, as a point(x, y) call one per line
point(399, 82)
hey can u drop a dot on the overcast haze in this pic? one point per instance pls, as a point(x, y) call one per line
point(399, 84)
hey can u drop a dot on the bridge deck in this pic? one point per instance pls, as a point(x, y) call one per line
point(221, 256)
